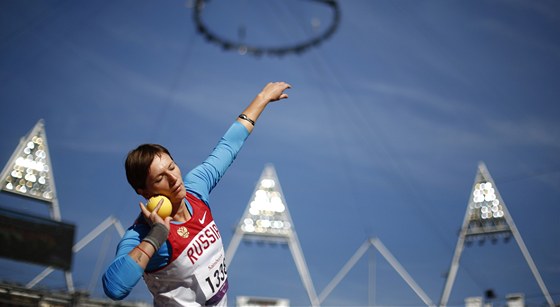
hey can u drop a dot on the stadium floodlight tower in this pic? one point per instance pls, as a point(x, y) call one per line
point(487, 216)
point(267, 218)
point(29, 173)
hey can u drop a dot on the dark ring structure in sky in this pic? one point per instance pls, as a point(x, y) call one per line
point(255, 50)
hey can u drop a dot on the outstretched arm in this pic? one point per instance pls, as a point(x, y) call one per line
point(204, 177)
point(273, 91)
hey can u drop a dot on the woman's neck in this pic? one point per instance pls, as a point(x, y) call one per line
point(183, 213)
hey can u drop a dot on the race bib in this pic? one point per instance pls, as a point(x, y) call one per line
point(206, 253)
point(213, 282)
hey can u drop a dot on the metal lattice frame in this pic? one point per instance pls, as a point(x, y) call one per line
point(376, 243)
point(484, 175)
point(283, 234)
point(32, 153)
point(108, 222)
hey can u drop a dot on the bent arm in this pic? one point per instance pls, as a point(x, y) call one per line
point(124, 272)
point(132, 259)
point(121, 277)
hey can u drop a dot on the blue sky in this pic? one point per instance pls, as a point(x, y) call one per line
point(381, 137)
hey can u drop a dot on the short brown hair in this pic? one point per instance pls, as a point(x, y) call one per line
point(138, 163)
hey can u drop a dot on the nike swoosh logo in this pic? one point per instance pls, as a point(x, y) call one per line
point(203, 218)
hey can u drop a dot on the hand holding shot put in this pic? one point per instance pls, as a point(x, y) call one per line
point(174, 244)
point(160, 204)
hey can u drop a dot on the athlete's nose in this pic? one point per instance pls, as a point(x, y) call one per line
point(172, 179)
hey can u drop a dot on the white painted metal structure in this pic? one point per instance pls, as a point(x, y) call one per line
point(267, 218)
point(375, 242)
point(475, 224)
point(29, 172)
point(108, 222)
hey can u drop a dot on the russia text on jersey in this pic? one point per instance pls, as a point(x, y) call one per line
point(206, 238)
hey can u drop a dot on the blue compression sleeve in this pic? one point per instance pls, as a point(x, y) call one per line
point(117, 283)
point(203, 178)
point(123, 273)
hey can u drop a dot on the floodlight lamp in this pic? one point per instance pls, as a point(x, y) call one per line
point(265, 201)
point(248, 225)
point(30, 172)
point(267, 213)
point(266, 222)
point(254, 211)
point(486, 204)
point(248, 228)
point(267, 183)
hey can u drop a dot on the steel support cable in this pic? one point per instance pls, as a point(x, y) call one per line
point(535, 174)
point(337, 279)
point(288, 11)
point(376, 131)
point(341, 151)
point(167, 100)
point(328, 97)
point(464, 267)
point(345, 158)
point(358, 127)
point(39, 24)
point(333, 117)
point(358, 119)
point(323, 70)
point(280, 15)
point(177, 77)
point(36, 22)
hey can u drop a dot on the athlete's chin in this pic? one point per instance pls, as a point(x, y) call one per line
point(180, 195)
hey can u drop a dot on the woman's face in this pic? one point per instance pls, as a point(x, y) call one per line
point(164, 178)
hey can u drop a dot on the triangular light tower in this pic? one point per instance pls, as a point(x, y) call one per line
point(487, 216)
point(267, 218)
point(29, 173)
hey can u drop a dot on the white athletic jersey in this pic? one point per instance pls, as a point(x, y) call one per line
point(196, 274)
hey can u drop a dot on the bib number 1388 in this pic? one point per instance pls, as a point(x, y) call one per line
point(219, 276)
